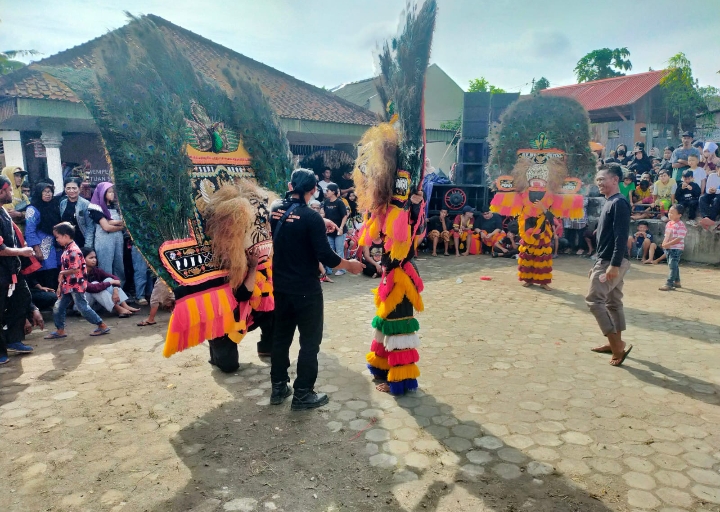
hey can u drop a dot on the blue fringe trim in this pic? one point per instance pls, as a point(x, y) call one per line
point(402, 387)
point(378, 373)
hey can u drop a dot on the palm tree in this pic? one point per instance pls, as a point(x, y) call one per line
point(8, 64)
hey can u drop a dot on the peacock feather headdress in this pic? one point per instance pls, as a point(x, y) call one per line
point(543, 123)
point(159, 117)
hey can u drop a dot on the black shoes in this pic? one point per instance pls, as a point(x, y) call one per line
point(280, 391)
point(304, 399)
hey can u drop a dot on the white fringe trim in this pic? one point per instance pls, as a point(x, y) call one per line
point(402, 341)
point(380, 337)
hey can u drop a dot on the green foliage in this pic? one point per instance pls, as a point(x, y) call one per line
point(482, 85)
point(453, 125)
point(563, 120)
point(139, 96)
point(684, 99)
point(403, 64)
point(8, 64)
point(540, 85)
point(599, 64)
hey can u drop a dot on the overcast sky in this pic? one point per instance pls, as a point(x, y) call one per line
point(330, 42)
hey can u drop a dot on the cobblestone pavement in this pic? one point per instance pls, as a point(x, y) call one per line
point(514, 412)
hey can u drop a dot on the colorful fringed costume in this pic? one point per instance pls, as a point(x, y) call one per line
point(182, 175)
point(388, 171)
point(539, 140)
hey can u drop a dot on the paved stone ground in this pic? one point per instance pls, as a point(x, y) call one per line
point(514, 412)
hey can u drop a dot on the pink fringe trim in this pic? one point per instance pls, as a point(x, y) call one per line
point(414, 277)
point(403, 357)
point(379, 349)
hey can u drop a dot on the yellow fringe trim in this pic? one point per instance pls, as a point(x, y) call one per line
point(404, 372)
point(402, 287)
point(537, 277)
point(378, 362)
point(536, 264)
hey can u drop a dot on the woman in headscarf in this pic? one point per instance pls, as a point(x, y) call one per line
point(640, 163)
point(41, 216)
point(108, 225)
point(16, 209)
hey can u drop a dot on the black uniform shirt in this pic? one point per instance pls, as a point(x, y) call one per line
point(298, 247)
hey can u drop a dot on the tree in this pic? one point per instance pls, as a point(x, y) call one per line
point(599, 64)
point(684, 99)
point(482, 85)
point(8, 64)
point(541, 84)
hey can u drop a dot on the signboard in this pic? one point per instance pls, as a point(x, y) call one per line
point(39, 149)
point(95, 176)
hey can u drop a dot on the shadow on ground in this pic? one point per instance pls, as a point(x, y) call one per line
point(245, 454)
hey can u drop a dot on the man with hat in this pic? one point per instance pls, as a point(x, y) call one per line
point(299, 243)
point(463, 229)
point(679, 159)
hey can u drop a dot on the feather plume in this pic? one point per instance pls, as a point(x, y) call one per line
point(375, 167)
point(228, 216)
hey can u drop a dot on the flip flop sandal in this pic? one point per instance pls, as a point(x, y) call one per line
point(100, 332)
point(622, 360)
point(602, 350)
point(144, 323)
point(55, 336)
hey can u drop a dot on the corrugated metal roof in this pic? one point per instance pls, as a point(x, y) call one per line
point(610, 92)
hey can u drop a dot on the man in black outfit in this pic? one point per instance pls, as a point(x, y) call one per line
point(299, 242)
point(606, 277)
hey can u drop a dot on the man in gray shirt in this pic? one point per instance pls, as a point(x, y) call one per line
point(680, 155)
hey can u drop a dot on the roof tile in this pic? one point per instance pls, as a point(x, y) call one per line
point(610, 92)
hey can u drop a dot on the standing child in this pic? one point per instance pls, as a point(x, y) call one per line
point(674, 244)
point(72, 284)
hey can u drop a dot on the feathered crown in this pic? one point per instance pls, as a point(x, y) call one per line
point(543, 122)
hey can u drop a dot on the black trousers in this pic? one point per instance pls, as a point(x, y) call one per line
point(224, 351)
point(710, 206)
point(14, 311)
point(691, 207)
point(304, 312)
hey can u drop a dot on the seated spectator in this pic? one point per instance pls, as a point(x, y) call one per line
point(463, 229)
point(656, 254)
point(699, 174)
point(42, 296)
point(665, 163)
point(688, 194)
point(162, 296)
point(589, 236)
point(439, 227)
point(628, 186)
point(104, 288)
point(710, 161)
point(642, 201)
point(372, 258)
point(709, 203)
point(639, 243)
point(664, 192)
point(491, 233)
point(640, 163)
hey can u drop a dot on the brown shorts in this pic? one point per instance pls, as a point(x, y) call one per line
point(435, 234)
point(162, 295)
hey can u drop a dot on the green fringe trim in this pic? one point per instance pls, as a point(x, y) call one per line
point(390, 327)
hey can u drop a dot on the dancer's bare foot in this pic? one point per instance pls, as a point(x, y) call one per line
point(383, 387)
point(545, 287)
point(527, 285)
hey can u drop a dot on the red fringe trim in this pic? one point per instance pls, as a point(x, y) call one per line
point(402, 357)
point(526, 256)
point(386, 285)
point(534, 270)
point(414, 276)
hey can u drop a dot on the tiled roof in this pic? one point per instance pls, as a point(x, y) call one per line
point(29, 83)
point(289, 97)
point(610, 92)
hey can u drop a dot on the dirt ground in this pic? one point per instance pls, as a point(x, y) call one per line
point(514, 412)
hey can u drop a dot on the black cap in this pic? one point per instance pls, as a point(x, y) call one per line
point(688, 174)
point(688, 134)
point(303, 180)
point(467, 208)
point(19, 170)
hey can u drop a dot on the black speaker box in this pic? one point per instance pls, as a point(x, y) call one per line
point(472, 151)
point(470, 174)
point(454, 197)
point(500, 102)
